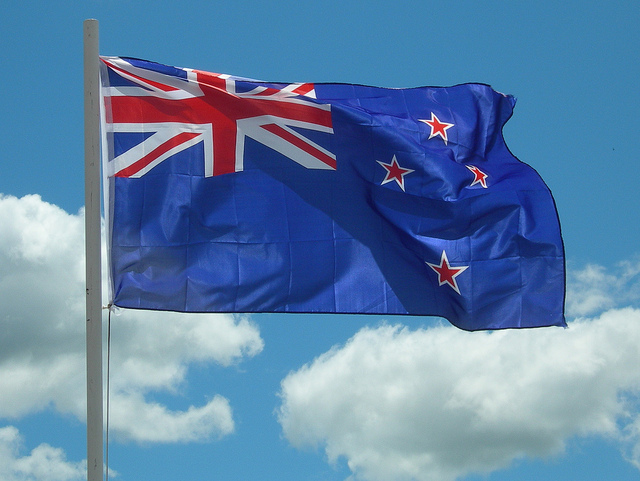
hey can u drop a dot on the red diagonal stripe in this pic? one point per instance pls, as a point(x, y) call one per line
point(159, 86)
point(301, 144)
point(303, 89)
point(155, 153)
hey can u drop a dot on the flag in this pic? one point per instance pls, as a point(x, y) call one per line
point(227, 194)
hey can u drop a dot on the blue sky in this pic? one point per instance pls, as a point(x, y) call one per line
point(292, 397)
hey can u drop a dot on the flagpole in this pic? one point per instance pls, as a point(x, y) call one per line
point(92, 252)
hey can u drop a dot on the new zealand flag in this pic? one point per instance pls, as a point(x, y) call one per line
point(233, 195)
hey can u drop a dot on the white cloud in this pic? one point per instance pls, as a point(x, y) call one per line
point(593, 289)
point(440, 403)
point(42, 348)
point(153, 422)
point(44, 461)
point(151, 351)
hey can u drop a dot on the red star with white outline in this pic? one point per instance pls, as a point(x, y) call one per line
point(480, 177)
point(438, 128)
point(446, 273)
point(394, 172)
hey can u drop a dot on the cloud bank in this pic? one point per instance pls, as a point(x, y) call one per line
point(396, 403)
point(440, 403)
point(44, 461)
point(42, 348)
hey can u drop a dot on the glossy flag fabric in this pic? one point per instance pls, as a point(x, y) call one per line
point(232, 195)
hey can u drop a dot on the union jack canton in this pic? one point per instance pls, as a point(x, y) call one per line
point(222, 112)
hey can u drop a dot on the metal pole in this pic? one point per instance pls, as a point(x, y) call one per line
point(92, 250)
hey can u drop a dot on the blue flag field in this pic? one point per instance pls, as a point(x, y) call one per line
point(233, 195)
